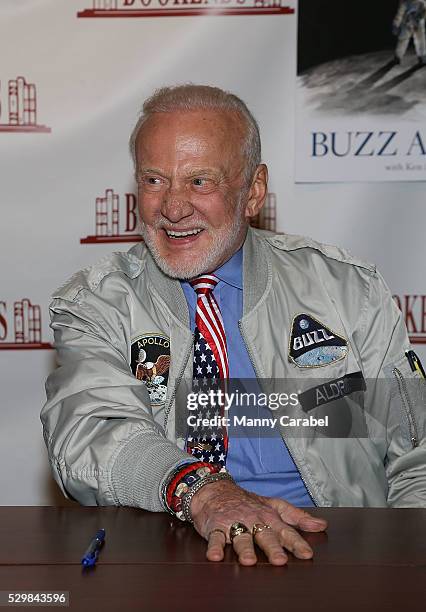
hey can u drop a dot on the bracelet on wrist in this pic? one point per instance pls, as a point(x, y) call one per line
point(187, 497)
point(181, 480)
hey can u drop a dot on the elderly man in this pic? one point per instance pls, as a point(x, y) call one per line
point(208, 296)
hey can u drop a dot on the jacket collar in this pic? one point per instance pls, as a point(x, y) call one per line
point(169, 290)
point(256, 274)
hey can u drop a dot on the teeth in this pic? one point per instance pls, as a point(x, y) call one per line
point(183, 234)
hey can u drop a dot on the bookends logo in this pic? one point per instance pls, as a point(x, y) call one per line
point(183, 8)
point(118, 222)
point(413, 308)
point(110, 218)
point(22, 107)
point(267, 217)
point(26, 326)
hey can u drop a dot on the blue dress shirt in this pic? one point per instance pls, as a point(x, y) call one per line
point(259, 463)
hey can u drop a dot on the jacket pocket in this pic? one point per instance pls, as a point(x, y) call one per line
point(408, 406)
point(411, 395)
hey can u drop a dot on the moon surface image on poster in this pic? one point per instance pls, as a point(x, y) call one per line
point(361, 84)
point(370, 84)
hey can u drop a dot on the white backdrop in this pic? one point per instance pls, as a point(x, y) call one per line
point(91, 75)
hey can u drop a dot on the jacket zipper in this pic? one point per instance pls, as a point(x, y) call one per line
point(407, 404)
point(177, 382)
point(283, 438)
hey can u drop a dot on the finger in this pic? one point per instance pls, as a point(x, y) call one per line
point(307, 522)
point(244, 547)
point(298, 517)
point(216, 545)
point(292, 541)
point(268, 541)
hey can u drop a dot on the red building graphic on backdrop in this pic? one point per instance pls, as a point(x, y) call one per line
point(267, 217)
point(183, 8)
point(413, 308)
point(21, 108)
point(26, 327)
point(107, 211)
point(109, 218)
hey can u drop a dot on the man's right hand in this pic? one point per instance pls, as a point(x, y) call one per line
point(218, 505)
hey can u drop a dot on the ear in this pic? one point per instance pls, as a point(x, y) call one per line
point(257, 192)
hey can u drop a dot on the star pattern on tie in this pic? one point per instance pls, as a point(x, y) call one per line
point(204, 360)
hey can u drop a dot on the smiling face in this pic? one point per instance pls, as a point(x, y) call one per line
point(193, 202)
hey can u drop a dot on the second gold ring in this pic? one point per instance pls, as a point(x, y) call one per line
point(259, 527)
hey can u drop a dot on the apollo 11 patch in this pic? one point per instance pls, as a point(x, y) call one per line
point(150, 362)
point(313, 344)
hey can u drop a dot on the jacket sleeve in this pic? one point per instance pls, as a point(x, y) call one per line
point(399, 398)
point(104, 446)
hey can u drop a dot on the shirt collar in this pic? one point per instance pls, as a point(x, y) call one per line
point(232, 271)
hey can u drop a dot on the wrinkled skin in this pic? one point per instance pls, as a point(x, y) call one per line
point(191, 177)
point(218, 505)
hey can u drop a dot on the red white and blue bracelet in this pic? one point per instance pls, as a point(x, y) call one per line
point(185, 481)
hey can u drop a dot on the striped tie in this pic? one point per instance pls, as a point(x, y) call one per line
point(210, 362)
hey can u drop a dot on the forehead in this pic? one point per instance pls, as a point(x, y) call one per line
point(186, 134)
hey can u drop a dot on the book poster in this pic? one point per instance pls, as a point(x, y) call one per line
point(361, 91)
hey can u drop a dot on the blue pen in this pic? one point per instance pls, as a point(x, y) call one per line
point(91, 555)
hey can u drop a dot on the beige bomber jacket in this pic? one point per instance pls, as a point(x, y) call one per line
point(109, 443)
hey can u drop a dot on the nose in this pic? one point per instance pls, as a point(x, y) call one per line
point(175, 205)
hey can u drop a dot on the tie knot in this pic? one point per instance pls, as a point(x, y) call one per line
point(204, 284)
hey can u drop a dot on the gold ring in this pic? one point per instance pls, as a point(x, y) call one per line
point(258, 527)
point(237, 529)
point(217, 531)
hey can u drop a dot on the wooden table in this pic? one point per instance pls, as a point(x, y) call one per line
point(369, 560)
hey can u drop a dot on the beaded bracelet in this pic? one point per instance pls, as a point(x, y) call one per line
point(180, 481)
point(185, 474)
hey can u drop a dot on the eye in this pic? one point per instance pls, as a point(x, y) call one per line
point(150, 182)
point(203, 184)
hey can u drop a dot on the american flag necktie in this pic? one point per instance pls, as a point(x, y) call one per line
point(210, 365)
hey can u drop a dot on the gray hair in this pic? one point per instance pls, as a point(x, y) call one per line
point(192, 97)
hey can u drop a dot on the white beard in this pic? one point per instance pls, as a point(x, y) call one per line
point(223, 242)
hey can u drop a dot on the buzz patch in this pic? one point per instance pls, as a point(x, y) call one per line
point(150, 363)
point(313, 344)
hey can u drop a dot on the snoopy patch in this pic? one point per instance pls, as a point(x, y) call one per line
point(150, 363)
point(313, 344)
